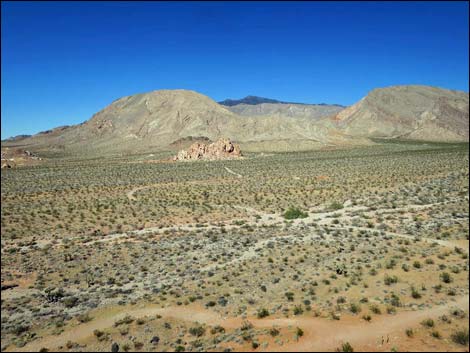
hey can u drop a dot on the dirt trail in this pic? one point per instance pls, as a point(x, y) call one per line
point(319, 333)
point(130, 194)
point(232, 172)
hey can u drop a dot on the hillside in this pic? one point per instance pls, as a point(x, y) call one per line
point(155, 120)
point(160, 120)
point(290, 110)
point(408, 112)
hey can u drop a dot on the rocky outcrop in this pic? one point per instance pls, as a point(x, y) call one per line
point(221, 149)
point(13, 157)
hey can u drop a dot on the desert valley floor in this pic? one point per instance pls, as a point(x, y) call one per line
point(363, 248)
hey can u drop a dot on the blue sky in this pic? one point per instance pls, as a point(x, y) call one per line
point(63, 62)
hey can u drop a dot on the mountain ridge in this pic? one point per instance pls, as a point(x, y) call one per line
point(254, 100)
point(154, 120)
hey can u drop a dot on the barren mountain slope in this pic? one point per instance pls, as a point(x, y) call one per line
point(156, 119)
point(310, 111)
point(410, 112)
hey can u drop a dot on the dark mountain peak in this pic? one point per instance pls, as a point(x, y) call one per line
point(254, 100)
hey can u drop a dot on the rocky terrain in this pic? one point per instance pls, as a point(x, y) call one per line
point(154, 121)
point(221, 149)
point(15, 157)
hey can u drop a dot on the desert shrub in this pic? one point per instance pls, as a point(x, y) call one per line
point(428, 323)
point(345, 347)
point(274, 332)
point(446, 277)
point(125, 320)
point(197, 330)
point(460, 337)
point(389, 280)
point(262, 313)
point(298, 310)
point(294, 213)
point(70, 302)
point(335, 205)
point(414, 293)
point(217, 329)
point(290, 296)
point(355, 308)
point(395, 300)
point(375, 309)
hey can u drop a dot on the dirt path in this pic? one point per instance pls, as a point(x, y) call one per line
point(130, 194)
point(232, 172)
point(319, 333)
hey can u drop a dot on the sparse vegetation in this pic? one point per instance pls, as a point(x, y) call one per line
point(364, 248)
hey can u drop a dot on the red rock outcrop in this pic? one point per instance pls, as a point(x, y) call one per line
point(221, 149)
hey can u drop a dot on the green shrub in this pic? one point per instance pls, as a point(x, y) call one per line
point(294, 213)
point(388, 280)
point(446, 277)
point(414, 293)
point(262, 313)
point(335, 205)
point(298, 310)
point(460, 337)
point(346, 347)
point(355, 308)
point(197, 330)
point(428, 323)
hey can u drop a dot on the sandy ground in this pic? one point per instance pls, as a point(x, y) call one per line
point(319, 333)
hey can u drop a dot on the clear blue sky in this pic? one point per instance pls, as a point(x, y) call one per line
point(62, 62)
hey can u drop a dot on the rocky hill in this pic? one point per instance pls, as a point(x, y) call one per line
point(158, 119)
point(166, 119)
point(407, 112)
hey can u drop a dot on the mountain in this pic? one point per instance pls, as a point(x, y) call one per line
point(165, 119)
point(17, 137)
point(408, 112)
point(159, 119)
point(248, 100)
point(259, 106)
point(290, 110)
point(254, 100)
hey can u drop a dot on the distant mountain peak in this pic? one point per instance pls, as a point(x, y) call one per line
point(254, 100)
